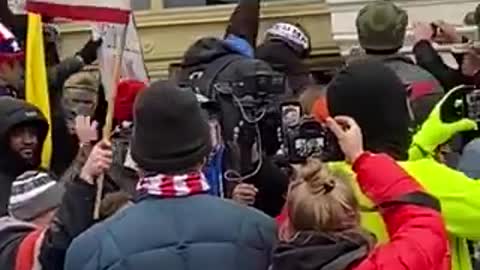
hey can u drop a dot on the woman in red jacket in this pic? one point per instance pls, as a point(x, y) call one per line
point(323, 227)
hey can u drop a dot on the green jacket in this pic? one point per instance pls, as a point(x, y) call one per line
point(458, 194)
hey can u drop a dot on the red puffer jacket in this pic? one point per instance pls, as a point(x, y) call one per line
point(418, 237)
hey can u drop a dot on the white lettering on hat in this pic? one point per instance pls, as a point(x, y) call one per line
point(290, 32)
point(31, 114)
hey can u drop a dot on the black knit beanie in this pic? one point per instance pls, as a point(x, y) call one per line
point(375, 97)
point(171, 134)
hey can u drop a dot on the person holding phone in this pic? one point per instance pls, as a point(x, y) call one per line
point(375, 97)
point(428, 58)
point(324, 229)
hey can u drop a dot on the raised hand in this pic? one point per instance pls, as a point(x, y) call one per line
point(349, 136)
point(86, 130)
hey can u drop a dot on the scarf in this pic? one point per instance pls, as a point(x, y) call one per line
point(173, 186)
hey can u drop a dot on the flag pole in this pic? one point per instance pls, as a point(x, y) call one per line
point(107, 129)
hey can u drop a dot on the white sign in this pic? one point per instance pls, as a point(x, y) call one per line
point(133, 65)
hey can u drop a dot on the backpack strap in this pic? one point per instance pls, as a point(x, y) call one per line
point(416, 198)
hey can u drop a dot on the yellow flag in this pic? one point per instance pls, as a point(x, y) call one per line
point(36, 78)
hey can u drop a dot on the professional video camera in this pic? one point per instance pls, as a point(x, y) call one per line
point(304, 137)
point(255, 95)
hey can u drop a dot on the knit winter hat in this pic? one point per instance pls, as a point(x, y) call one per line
point(127, 92)
point(171, 134)
point(9, 47)
point(381, 25)
point(34, 193)
point(373, 95)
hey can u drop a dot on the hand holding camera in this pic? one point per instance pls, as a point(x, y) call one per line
point(423, 31)
point(304, 137)
point(445, 33)
point(349, 136)
point(438, 31)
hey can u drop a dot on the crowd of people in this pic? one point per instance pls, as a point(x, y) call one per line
point(202, 171)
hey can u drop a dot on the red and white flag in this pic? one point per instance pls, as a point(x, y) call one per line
point(110, 11)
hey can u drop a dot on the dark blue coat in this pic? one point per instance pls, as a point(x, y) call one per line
point(199, 232)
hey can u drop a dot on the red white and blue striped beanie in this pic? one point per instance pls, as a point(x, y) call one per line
point(9, 47)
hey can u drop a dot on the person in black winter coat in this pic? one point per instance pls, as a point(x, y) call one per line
point(285, 47)
point(24, 245)
point(211, 62)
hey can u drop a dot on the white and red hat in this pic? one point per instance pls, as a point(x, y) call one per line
point(9, 47)
point(290, 33)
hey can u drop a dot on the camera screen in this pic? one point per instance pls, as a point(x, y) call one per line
point(473, 105)
point(291, 115)
point(309, 147)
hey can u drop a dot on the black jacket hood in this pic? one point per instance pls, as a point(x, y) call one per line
point(316, 251)
point(14, 112)
point(204, 51)
point(376, 98)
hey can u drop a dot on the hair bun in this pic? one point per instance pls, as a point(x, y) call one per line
point(317, 176)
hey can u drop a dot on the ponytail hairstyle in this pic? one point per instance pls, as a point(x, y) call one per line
point(323, 201)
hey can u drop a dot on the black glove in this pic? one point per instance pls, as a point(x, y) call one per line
point(89, 52)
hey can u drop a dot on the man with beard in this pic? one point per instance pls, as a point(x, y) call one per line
point(22, 132)
point(40, 239)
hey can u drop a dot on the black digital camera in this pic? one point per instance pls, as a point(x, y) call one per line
point(304, 137)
